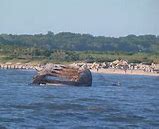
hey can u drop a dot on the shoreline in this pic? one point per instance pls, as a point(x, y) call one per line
point(31, 66)
point(122, 72)
point(103, 71)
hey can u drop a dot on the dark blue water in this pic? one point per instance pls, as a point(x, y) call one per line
point(133, 104)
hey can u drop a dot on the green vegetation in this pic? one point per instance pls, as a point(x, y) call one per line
point(69, 47)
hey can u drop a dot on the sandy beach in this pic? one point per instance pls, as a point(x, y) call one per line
point(119, 71)
point(10, 65)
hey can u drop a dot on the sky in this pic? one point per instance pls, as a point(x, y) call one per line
point(97, 17)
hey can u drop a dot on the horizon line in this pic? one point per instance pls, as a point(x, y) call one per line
point(45, 33)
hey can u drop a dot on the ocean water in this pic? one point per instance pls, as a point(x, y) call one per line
point(113, 102)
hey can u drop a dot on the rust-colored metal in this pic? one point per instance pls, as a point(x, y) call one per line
point(67, 75)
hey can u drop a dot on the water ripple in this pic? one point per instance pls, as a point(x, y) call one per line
point(132, 104)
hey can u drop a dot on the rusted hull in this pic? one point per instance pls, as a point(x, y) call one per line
point(63, 75)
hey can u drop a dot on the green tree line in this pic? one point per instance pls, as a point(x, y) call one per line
point(68, 47)
point(83, 42)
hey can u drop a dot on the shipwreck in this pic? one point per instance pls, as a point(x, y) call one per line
point(63, 74)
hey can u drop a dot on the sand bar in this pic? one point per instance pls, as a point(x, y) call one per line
point(128, 72)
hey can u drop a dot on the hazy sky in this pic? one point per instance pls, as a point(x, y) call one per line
point(97, 17)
